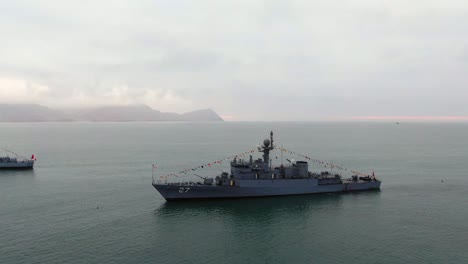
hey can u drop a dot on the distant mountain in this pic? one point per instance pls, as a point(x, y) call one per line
point(204, 114)
point(30, 113)
point(121, 114)
point(145, 113)
point(131, 113)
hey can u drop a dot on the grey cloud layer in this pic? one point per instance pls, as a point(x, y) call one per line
point(249, 59)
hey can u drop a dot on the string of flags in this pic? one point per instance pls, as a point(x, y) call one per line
point(240, 155)
point(207, 165)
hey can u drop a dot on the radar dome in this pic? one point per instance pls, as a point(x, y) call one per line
point(266, 142)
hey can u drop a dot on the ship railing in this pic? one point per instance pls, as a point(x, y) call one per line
point(179, 183)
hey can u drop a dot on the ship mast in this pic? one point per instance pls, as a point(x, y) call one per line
point(267, 146)
point(271, 139)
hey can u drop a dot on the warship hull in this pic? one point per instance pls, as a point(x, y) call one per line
point(259, 188)
point(17, 166)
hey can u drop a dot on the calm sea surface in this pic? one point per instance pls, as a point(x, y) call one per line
point(90, 200)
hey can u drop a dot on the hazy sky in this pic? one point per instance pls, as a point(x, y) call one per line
point(247, 60)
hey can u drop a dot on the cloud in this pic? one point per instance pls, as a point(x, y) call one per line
point(241, 58)
point(20, 90)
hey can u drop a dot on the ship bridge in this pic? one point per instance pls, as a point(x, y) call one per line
point(262, 168)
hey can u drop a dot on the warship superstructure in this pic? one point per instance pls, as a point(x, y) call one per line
point(258, 177)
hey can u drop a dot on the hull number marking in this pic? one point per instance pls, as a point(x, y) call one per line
point(184, 189)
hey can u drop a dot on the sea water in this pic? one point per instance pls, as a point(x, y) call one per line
point(89, 198)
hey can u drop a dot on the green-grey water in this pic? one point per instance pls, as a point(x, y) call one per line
point(90, 200)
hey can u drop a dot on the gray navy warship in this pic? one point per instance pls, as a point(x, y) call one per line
point(257, 178)
point(16, 163)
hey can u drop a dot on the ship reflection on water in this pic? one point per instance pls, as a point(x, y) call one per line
point(260, 207)
point(16, 173)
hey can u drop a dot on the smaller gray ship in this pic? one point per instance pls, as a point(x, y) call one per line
point(17, 162)
point(258, 177)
